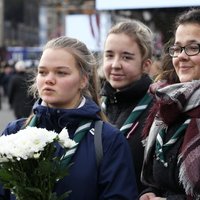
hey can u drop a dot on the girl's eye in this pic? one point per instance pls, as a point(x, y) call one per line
point(127, 58)
point(42, 72)
point(62, 73)
point(108, 55)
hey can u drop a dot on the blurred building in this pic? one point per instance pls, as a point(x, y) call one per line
point(34, 22)
point(53, 12)
point(20, 23)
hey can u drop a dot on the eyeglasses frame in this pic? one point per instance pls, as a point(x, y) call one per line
point(183, 48)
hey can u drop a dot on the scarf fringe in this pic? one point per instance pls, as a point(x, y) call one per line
point(187, 175)
point(185, 181)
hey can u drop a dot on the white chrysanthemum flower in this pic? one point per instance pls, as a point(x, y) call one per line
point(64, 140)
point(25, 143)
point(6, 148)
point(17, 152)
point(36, 155)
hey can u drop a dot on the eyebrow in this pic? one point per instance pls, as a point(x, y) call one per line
point(124, 52)
point(189, 42)
point(128, 53)
point(57, 67)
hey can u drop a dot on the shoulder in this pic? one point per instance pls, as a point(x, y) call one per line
point(13, 126)
point(110, 129)
point(112, 135)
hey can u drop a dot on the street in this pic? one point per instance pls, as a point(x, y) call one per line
point(6, 114)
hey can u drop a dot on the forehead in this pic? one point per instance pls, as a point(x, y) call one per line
point(58, 57)
point(120, 41)
point(187, 33)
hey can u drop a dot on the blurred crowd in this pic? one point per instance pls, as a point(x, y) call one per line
point(14, 81)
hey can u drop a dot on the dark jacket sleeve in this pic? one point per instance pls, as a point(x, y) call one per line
point(116, 176)
point(176, 197)
point(13, 126)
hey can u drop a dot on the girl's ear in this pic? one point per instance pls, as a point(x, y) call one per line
point(84, 82)
point(146, 66)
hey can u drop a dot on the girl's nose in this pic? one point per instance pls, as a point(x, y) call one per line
point(116, 64)
point(50, 79)
point(183, 55)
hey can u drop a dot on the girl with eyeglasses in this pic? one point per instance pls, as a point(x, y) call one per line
point(171, 167)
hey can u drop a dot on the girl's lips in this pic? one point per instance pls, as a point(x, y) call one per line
point(116, 77)
point(184, 68)
point(48, 89)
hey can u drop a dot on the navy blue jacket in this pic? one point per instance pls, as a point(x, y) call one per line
point(114, 179)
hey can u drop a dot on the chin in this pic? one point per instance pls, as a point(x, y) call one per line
point(118, 86)
point(48, 101)
point(183, 80)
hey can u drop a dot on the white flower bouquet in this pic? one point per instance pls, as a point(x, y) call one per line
point(29, 166)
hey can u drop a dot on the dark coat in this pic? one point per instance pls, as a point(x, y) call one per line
point(119, 106)
point(114, 179)
point(165, 180)
point(18, 97)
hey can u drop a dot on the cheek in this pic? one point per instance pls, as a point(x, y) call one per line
point(196, 60)
point(133, 69)
point(38, 82)
point(70, 84)
point(175, 63)
point(106, 68)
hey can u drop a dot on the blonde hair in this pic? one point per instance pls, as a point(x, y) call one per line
point(138, 32)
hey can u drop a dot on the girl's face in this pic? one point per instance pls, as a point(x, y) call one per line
point(122, 61)
point(187, 67)
point(58, 81)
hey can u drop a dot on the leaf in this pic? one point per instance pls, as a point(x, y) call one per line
point(24, 193)
point(5, 175)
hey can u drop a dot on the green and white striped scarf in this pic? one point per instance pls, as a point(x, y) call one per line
point(79, 134)
point(162, 147)
point(128, 125)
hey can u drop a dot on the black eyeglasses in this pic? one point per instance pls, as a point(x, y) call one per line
point(190, 50)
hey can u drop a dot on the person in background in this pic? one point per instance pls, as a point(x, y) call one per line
point(21, 102)
point(67, 90)
point(7, 73)
point(126, 61)
point(172, 140)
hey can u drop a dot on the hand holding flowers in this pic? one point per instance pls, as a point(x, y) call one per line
point(29, 166)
